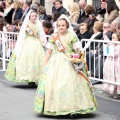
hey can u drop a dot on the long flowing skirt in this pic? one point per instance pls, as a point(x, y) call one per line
point(29, 65)
point(62, 91)
point(111, 73)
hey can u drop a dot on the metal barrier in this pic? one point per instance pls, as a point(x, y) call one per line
point(7, 44)
point(96, 61)
point(103, 59)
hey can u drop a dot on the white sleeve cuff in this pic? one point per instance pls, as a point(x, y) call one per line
point(77, 45)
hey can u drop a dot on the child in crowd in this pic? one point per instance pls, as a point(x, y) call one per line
point(17, 25)
point(111, 70)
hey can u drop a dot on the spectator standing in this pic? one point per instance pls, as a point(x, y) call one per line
point(14, 14)
point(54, 10)
point(26, 8)
point(42, 13)
point(8, 6)
point(112, 11)
point(101, 11)
point(74, 12)
point(60, 8)
point(82, 5)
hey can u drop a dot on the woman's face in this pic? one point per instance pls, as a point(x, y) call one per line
point(16, 6)
point(103, 5)
point(114, 37)
point(62, 26)
point(33, 17)
point(7, 4)
point(83, 29)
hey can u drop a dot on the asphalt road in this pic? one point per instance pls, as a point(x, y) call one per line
point(16, 103)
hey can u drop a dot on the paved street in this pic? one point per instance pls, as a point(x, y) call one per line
point(16, 103)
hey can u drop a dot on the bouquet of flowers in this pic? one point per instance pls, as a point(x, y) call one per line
point(76, 58)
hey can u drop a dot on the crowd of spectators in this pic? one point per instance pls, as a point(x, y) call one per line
point(87, 22)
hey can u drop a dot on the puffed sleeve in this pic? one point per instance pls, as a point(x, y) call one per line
point(76, 43)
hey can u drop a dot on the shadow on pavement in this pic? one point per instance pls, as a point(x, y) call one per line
point(79, 116)
point(23, 87)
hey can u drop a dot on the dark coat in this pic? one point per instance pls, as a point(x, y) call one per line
point(95, 44)
point(17, 16)
point(101, 12)
point(43, 17)
point(61, 11)
point(99, 61)
point(86, 35)
point(24, 15)
point(54, 10)
point(81, 18)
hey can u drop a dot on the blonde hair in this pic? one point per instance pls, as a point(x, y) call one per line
point(98, 26)
point(18, 4)
point(74, 8)
point(9, 2)
point(42, 9)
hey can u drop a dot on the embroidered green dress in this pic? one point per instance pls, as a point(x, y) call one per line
point(61, 90)
point(29, 65)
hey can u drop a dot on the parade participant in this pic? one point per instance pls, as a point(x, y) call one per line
point(113, 61)
point(61, 90)
point(27, 60)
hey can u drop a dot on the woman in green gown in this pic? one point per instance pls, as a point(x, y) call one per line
point(61, 90)
point(27, 60)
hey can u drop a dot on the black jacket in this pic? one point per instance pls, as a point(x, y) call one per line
point(81, 18)
point(24, 15)
point(61, 11)
point(43, 17)
point(54, 10)
point(94, 45)
point(17, 16)
point(86, 35)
